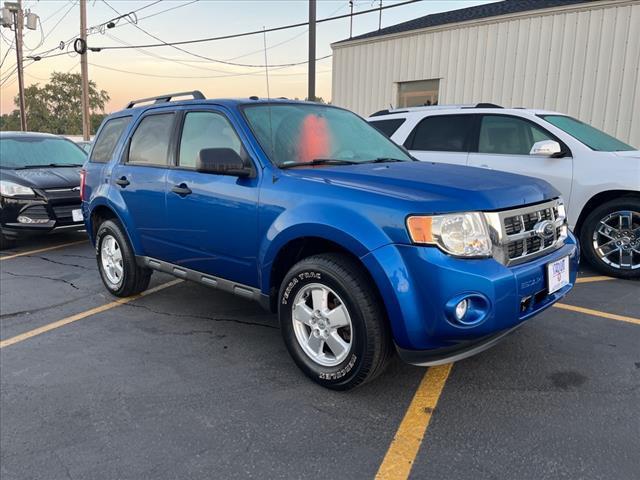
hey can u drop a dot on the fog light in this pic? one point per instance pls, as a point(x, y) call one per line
point(461, 309)
point(23, 219)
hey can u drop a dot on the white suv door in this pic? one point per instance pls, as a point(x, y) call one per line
point(504, 143)
point(441, 138)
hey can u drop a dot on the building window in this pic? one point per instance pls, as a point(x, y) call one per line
point(420, 92)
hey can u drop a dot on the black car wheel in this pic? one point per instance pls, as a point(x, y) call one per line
point(117, 263)
point(6, 242)
point(332, 321)
point(610, 238)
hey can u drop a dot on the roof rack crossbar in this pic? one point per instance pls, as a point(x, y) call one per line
point(196, 94)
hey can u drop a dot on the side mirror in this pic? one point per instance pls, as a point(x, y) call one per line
point(222, 161)
point(547, 148)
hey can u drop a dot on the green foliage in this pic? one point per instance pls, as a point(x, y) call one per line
point(56, 107)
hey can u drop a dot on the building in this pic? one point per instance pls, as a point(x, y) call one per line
point(573, 56)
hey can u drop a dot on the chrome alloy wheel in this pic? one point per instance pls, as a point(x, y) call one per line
point(111, 257)
point(322, 325)
point(617, 240)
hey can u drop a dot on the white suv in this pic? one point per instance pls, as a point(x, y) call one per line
point(598, 175)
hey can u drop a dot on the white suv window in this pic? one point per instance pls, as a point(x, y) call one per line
point(508, 135)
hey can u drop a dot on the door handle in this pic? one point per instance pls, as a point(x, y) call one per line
point(123, 182)
point(182, 189)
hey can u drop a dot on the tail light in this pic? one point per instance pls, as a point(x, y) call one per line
point(83, 177)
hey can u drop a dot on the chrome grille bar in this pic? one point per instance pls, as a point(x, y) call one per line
point(512, 247)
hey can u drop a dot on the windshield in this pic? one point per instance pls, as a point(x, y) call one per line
point(31, 152)
point(592, 137)
point(292, 134)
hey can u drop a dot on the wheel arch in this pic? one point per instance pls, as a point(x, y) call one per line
point(597, 200)
point(298, 248)
point(102, 212)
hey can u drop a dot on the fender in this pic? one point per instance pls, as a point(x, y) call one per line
point(327, 221)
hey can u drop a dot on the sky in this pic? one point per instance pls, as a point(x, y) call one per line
point(136, 73)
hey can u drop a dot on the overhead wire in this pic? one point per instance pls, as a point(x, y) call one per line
point(253, 32)
point(204, 57)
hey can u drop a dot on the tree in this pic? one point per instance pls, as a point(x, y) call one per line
point(56, 107)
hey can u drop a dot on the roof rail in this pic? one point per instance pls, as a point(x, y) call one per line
point(487, 105)
point(196, 94)
point(387, 112)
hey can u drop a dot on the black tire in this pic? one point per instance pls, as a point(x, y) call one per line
point(370, 339)
point(6, 242)
point(134, 278)
point(592, 222)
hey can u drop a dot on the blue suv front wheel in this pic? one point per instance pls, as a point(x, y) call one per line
point(333, 322)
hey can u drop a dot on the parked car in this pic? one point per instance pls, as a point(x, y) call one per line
point(39, 185)
point(309, 210)
point(598, 175)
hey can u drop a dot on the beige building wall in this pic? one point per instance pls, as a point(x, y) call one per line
point(583, 60)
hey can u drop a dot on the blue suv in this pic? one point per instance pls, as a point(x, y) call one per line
point(312, 212)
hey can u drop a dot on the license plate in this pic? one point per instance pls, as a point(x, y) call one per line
point(557, 274)
point(76, 214)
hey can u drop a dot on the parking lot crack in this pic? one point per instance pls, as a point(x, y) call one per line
point(24, 275)
point(57, 262)
point(201, 317)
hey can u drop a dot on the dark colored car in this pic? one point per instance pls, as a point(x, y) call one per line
point(39, 185)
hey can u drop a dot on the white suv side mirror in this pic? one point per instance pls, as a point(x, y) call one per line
point(546, 148)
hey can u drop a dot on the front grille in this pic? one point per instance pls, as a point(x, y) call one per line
point(63, 193)
point(63, 212)
point(519, 235)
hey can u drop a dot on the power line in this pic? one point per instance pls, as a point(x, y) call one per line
point(197, 55)
point(254, 32)
point(200, 76)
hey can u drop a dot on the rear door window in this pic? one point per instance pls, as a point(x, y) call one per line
point(150, 141)
point(442, 133)
point(388, 127)
point(109, 136)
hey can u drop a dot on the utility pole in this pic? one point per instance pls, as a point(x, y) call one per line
point(311, 95)
point(84, 68)
point(380, 16)
point(12, 16)
point(351, 19)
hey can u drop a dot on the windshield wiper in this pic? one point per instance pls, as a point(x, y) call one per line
point(385, 160)
point(26, 167)
point(319, 161)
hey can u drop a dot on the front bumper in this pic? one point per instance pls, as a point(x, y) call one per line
point(51, 214)
point(419, 283)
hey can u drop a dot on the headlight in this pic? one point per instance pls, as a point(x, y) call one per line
point(460, 234)
point(10, 189)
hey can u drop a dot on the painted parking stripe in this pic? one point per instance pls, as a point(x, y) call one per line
point(593, 279)
point(597, 313)
point(404, 447)
point(79, 316)
point(41, 250)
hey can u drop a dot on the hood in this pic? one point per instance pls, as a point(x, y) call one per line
point(44, 178)
point(438, 187)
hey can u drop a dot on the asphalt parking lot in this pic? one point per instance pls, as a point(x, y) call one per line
point(188, 382)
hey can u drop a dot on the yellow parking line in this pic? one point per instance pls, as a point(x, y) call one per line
point(402, 452)
point(79, 316)
point(593, 279)
point(40, 250)
point(597, 313)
